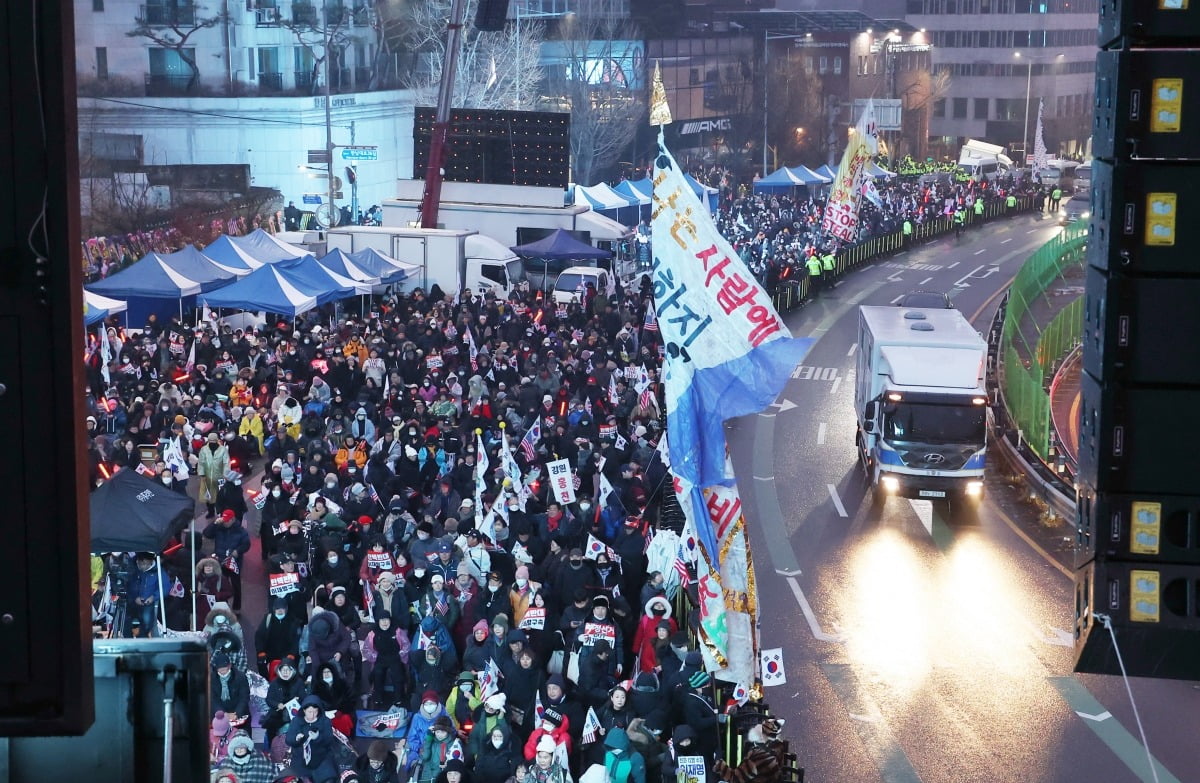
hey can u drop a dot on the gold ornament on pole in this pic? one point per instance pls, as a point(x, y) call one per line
point(660, 111)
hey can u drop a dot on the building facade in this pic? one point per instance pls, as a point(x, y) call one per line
point(991, 90)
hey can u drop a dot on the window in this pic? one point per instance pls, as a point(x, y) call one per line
point(939, 107)
point(862, 65)
point(693, 77)
point(101, 62)
point(837, 65)
point(960, 108)
point(824, 65)
point(492, 272)
point(981, 108)
point(98, 6)
point(808, 64)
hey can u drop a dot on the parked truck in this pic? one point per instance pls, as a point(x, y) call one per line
point(454, 259)
point(920, 403)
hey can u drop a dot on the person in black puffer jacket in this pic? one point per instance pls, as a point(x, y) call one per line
point(647, 701)
point(328, 640)
point(286, 686)
point(497, 759)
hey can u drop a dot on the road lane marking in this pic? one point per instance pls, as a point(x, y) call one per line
point(951, 266)
point(1009, 239)
point(896, 278)
point(1032, 230)
point(924, 511)
point(764, 478)
point(821, 434)
point(853, 348)
point(837, 382)
point(926, 280)
point(1125, 746)
point(877, 738)
point(981, 252)
point(766, 499)
point(810, 616)
point(837, 501)
point(897, 299)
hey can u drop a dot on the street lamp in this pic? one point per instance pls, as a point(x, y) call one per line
point(1028, 84)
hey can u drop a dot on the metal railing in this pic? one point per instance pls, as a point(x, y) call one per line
point(163, 84)
point(167, 14)
point(270, 81)
point(304, 13)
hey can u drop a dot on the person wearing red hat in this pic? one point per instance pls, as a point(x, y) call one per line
point(230, 544)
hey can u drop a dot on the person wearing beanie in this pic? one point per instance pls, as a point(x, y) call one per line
point(520, 594)
point(284, 695)
point(436, 753)
point(553, 726)
point(492, 713)
point(622, 764)
point(463, 590)
point(475, 653)
point(375, 561)
point(221, 733)
point(650, 634)
point(455, 771)
point(310, 736)
point(697, 710)
point(494, 758)
point(387, 649)
point(464, 701)
point(597, 675)
point(277, 636)
point(600, 626)
point(378, 764)
point(250, 765)
point(548, 764)
point(229, 694)
point(230, 544)
point(420, 725)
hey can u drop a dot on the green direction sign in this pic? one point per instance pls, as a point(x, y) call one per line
point(360, 153)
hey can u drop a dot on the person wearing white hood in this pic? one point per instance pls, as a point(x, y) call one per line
point(290, 414)
point(248, 764)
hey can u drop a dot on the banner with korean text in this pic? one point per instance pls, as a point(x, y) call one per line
point(845, 195)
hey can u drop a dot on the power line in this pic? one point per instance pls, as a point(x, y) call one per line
point(198, 113)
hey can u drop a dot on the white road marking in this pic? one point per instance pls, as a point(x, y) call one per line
point(924, 511)
point(821, 434)
point(1009, 239)
point(951, 266)
point(836, 383)
point(764, 478)
point(981, 252)
point(1098, 717)
point(837, 501)
point(1032, 230)
point(896, 278)
point(926, 280)
point(809, 615)
point(897, 299)
point(783, 406)
point(853, 348)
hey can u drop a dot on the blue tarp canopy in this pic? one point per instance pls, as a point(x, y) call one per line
point(225, 252)
point(338, 261)
point(559, 245)
point(706, 194)
point(194, 265)
point(825, 171)
point(263, 289)
point(97, 308)
point(386, 268)
point(266, 248)
point(780, 179)
point(639, 191)
point(808, 176)
point(150, 278)
point(876, 171)
point(307, 274)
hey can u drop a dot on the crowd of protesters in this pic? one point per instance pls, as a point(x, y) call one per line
point(481, 629)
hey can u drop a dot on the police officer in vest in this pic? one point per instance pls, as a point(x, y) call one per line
point(908, 231)
point(960, 220)
point(814, 274)
point(1010, 204)
point(1055, 197)
point(979, 207)
point(828, 266)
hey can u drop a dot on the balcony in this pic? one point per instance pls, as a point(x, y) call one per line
point(164, 15)
point(266, 17)
point(362, 77)
point(164, 84)
point(304, 13)
point(336, 15)
point(304, 80)
point(270, 81)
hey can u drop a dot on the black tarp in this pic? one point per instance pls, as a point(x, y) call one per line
point(559, 245)
point(131, 513)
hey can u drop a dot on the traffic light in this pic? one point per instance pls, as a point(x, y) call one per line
point(1138, 507)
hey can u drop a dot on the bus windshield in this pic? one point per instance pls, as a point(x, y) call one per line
point(935, 424)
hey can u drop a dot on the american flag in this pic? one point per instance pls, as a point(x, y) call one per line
point(680, 566)
point(530, 441)
point(650, 324)
point(374, 493)
point(591, 727)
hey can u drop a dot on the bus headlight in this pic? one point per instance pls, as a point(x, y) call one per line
point(890, 483)
point(974, 488)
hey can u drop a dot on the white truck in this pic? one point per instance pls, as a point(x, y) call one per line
point(921, 404)
point(454, 259)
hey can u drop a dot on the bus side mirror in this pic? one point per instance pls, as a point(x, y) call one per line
point(871, 412)
point(869, 426)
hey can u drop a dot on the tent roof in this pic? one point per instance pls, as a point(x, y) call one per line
point(600, 197)
point(386, 268)
point(266, 248)
point(150, 277)
point(338, 261)
point(808, 176)
point(639, 191)
point(874, 170)
point(193, 264)
point(97, 308)
point(559, 244)
point(778, 179)
point(307, 274)
point(263, 289)
point(225, 252)
point(131, 513)
point(825, 171)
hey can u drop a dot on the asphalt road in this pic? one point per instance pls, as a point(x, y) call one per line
point(917, 647)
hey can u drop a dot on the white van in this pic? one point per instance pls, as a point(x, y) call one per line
point(573, 281)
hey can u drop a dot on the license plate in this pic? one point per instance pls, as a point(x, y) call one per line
point(931, 493)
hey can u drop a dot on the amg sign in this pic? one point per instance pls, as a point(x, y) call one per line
point(690, 127)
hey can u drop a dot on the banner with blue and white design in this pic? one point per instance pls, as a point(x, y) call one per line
point(728, 353)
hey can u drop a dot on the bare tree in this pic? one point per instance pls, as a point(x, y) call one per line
point(496, 70)
point(593, 83)
point(920, 92)
point(321, 28)
point(171, 24)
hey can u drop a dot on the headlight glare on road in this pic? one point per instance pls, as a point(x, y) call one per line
point(890, 483)
point(974, 488)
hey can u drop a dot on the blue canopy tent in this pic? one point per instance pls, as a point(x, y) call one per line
point(603, 199)
point(266, 288)
point(226, 253)
point(808, 176)
point(779, 180)
point(266, 248)
point(386, 268)
point(706, 194)
point(307, 274)
point(639, 192)
point(559, 244)
point(150, 287)
point(338, 261)
point(825, 171)
point(877, 171)
point(194, 265)
point(96, 308)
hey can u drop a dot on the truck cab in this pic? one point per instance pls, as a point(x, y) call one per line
point(920, 403)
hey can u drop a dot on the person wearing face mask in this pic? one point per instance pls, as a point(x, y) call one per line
point(277, 636)
point(231, 496)
point(228, 690)
point(435, 754)
point(378, 764)
point(212, 466)
point(310, 736)
point(578, 575)
point(423, 549)
point(230, 544)
point(420, 726)
point(247, 763)
point(277, 508)
point(167, 477)
point(284, 694)
point(493, 599)
point(332, 688)
point(520, 594)
point(554, 726)
point(211, 586)
point(387, 648)
point(495, 759)
point(463, 702)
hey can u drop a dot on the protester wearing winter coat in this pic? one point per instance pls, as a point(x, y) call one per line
point(287, 686)
point(378, 764)
point(496, 759)
point(278, 635)
point(328, 641)
point(387, 648)
point(248, 763)
point(310, 736)
point(436, 753)
point(228, 690)
point(622, 764)
point(554, 724)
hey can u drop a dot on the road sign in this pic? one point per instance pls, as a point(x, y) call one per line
point(312, 198)
point(360, 153)
point(318, 157)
